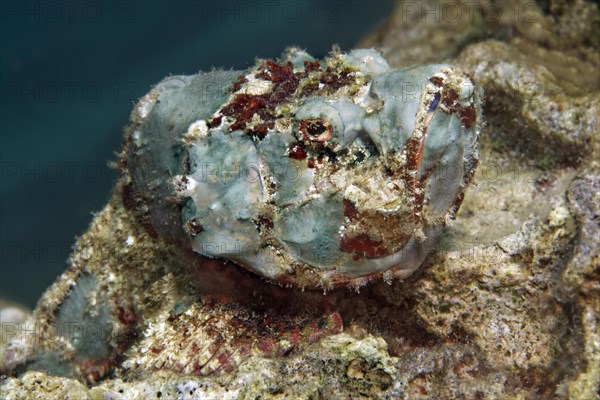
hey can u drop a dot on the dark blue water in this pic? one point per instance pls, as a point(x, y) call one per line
point(69, 74)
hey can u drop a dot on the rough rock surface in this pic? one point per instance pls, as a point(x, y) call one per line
point(508, 307)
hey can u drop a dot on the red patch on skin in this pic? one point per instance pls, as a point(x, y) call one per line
point(468, 116)
point(243, 108)
point(297, 151)
point(312, 65)
point(278, 73)
point(266, 345)
point(224, 360)
point(350, 210)
point(238, 84)
point(364, 246)
point(285, 82)
point(414, 148)
point(261, 129)
point(336, 80)
point(197, 368)
point(437, 81)
point(413, 145)
point(338, 323)
point(265, 221)
point(125, 316)
point(216, 121)
point(449, 97)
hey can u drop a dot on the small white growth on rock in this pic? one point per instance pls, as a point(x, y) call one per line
point(130, 241)
point(197, 131)
point(256, 87)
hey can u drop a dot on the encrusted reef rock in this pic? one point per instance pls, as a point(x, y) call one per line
point(507, 305)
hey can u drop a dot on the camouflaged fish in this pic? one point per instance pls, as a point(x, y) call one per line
point(311, 173)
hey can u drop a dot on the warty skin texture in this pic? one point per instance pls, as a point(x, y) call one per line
point(310, 173)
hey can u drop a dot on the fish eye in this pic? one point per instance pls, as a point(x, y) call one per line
point(316, 130)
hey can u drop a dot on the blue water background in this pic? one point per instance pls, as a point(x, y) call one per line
point(70, 73)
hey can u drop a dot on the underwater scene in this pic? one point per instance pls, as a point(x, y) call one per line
point(300, 200)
